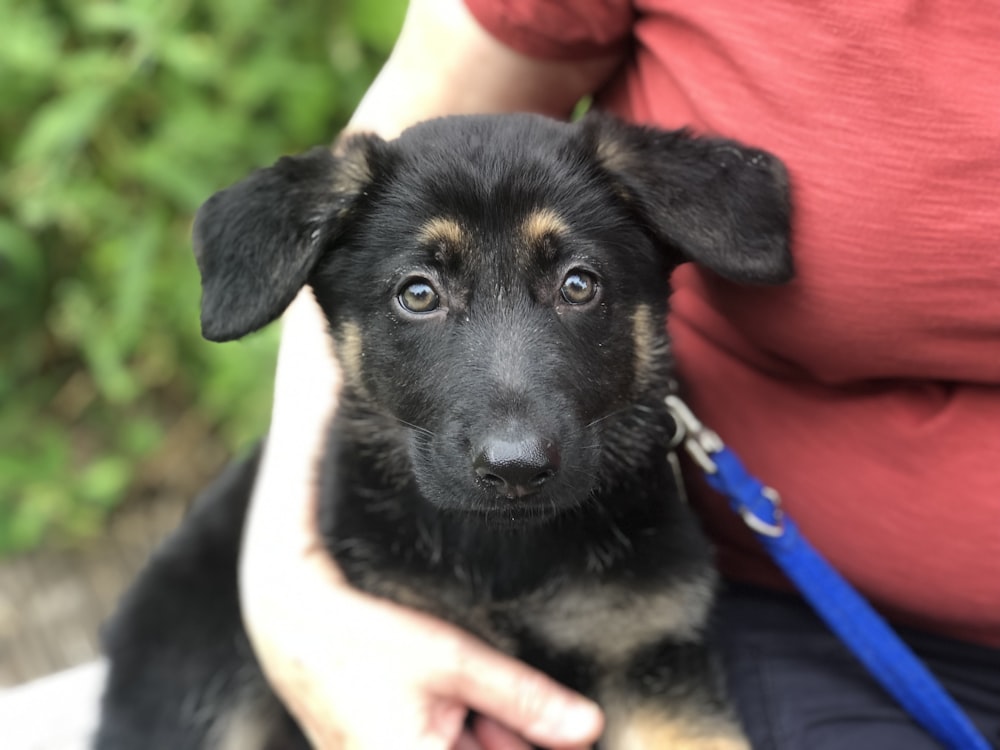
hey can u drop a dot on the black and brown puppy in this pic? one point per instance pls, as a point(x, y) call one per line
point(497, 288)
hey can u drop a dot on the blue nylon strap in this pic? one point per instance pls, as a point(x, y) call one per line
point(864, 631)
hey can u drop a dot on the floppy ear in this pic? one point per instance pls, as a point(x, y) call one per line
point(257, 242)
point(714, 201)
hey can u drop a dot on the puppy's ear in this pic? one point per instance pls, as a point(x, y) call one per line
point(257, 242)
point(714, 201)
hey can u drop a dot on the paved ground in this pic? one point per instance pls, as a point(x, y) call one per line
point(53, 602)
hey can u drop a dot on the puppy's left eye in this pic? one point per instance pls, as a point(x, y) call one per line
point(418, 296)
point(579, 287)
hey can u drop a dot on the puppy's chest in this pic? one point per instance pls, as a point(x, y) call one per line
point(603, 624)
point(558, 597)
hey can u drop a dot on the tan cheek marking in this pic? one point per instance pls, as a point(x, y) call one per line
point(646, 729)
point(443, 231)
point(350, 352)
point(644, 345)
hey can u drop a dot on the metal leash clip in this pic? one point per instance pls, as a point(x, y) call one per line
point(699, 441)
point(702, 443)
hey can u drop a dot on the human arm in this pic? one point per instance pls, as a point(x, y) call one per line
point(356, 671)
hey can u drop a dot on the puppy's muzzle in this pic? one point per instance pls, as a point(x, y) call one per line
point(516, 467)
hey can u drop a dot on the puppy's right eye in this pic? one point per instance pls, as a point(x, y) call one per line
point(579, 287)
point(418, 296)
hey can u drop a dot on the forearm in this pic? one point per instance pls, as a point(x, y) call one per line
point(444, 63)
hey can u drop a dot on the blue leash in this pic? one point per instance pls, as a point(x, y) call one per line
point(863, 630)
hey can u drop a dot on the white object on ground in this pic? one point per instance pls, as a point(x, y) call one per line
point(58, 712)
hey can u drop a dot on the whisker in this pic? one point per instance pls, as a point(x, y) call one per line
point(606, 416)
point(416, 427)
point(622, 410)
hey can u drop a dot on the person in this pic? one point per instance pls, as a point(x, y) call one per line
point(867, 390)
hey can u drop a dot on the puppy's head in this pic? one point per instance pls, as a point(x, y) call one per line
point(497, 287)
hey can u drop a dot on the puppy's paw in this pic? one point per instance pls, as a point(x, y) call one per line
point(647, 729)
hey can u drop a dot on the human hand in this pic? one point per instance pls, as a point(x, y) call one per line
point(361, 673)
point(364, 674)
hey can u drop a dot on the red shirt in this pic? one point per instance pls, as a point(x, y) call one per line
point(868, 390)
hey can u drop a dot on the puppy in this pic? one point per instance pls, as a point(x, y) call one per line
point(496, 287)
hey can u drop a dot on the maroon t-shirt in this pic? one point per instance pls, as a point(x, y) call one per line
point(868, 390)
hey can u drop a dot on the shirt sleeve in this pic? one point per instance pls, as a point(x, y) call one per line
point(557, 29)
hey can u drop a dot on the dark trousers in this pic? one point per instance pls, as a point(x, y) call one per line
point(796, 687)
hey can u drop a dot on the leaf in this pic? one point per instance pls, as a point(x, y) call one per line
point(32, 44)
point(22, 270)
point(112, 17)
point(63, 125)
point(194, 57)
point(78, 319)
point(103, 482)
point(101, 70)
point(134, 283)
point(377, 22)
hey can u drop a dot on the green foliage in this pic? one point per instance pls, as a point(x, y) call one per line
point(117, 119)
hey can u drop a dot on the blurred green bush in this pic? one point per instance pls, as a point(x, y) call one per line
point(117, 119)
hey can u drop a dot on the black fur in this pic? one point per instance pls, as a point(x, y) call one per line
point(498, 460)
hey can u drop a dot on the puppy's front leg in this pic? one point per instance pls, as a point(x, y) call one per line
point(656, 727)
point(669, 698)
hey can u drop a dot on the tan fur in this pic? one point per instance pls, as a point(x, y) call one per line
point(444, 231)
point(353, 173)
point(644, 728)
point(250, 725)
point(244, 731)
point(541, 224)
point(612, 624)
point(350, 352)
point(644, 344)
point(614, 156)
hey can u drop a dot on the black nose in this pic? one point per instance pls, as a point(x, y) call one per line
point(518, 466)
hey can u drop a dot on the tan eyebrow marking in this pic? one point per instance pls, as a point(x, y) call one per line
point(442, 230)
point(543, 223)
point(538, 231)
